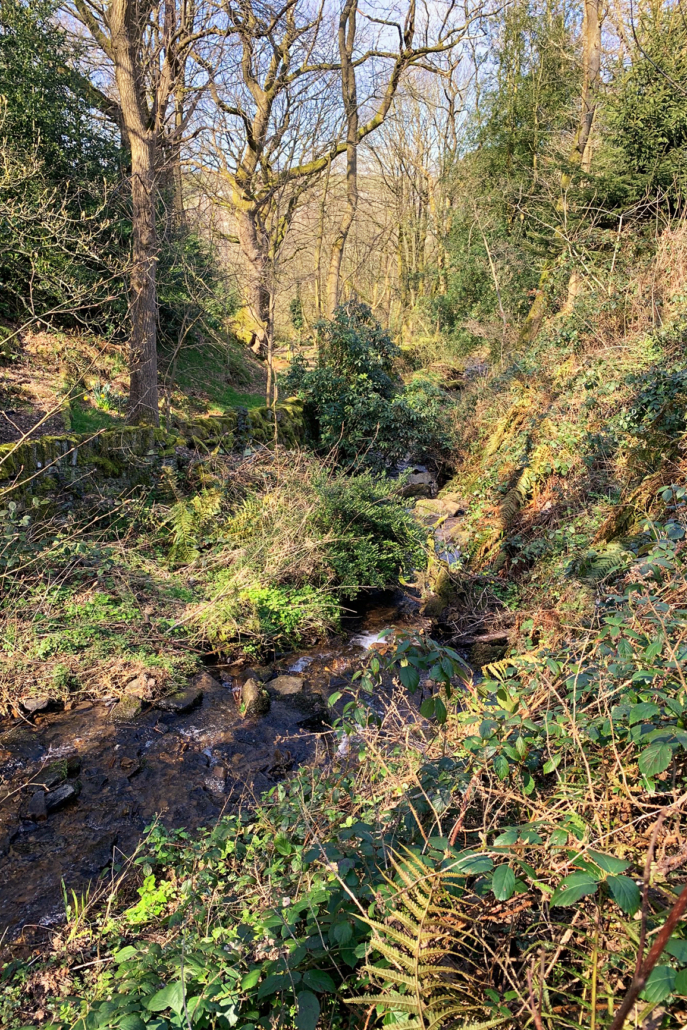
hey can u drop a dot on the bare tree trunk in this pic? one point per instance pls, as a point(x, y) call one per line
point(143, 400)
point(318, 244)
point(257, 290)
point(347, 25)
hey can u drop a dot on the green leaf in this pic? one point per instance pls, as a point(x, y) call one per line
point(503, 882)
point(282, 844)
point(125, 953)
point(572, 888)
point(170, 997)
point(472, 863)
point(609, 863)
point(655, 759)
point(501, 767)
point(509, 836)
point(131, 1022)
point(552, 763)
point(644, 710)
point(680, 986)
point(277, 982)
point(308, 1011)
point(440, 711)
point(625, 893)
point(319, 981)
point(342, 932)
point(527, 782)
point(659, 985)
point(677, 947)
point(333, 698)
point(427, 708)
point(409, 677)
point(250, 979)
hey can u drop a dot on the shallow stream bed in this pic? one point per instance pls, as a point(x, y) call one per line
point(78, 788)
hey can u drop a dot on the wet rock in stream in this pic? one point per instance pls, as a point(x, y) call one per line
point(256, 701)
point(286, 685)
point(35, 704)
point(183, 765)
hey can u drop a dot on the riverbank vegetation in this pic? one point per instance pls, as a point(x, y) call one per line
point(434, 273)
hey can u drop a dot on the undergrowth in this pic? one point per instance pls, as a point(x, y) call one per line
point(499, 852)
point(260, 552)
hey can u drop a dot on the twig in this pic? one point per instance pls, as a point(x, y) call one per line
point(640, 979)
point(645, 889)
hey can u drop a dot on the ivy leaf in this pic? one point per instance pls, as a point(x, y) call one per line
point(572, 888)
point(659, 985)
point(503, 882)
point(655, 759)
point(308, 1011)
point(625, 893)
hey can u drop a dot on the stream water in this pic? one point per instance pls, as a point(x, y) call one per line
point(107, 780)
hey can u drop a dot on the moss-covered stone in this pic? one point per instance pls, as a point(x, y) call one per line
point(50, 463)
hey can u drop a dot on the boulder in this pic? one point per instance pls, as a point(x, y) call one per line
point(439, 506)
point(58, 771)
point(181, 702)
point(256, 701)
point(420, 484)
point(261, 673)
point(36, 808)
point(204, 681)
point(142, 687)
point(285, 685)
point(55, 799)
point(126, 709)
point(35, 704)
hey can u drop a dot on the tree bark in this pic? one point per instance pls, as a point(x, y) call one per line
point(143, 397)
point(257, 286)
point(347, 26)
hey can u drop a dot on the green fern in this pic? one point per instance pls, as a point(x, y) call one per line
point(600, 563)
point(420, 983)
point(188, 519)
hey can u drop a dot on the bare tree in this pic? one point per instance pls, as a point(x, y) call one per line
point(416, 45)
point(283, 124)
point(147, 45)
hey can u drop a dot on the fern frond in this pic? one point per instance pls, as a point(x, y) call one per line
point(497, 670)
point(601, 563)
point(436, 991)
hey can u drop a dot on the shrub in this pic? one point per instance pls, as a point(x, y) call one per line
point(355, 403)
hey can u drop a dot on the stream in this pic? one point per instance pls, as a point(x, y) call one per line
point(78, 787)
